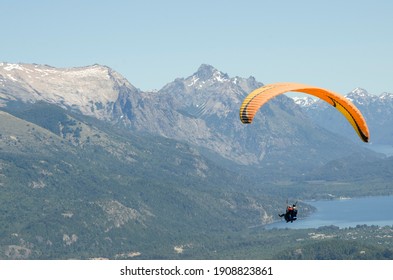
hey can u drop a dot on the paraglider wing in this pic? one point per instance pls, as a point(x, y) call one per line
point(260, 96)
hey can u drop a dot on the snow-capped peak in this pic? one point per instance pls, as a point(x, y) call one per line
point(206, 76)
point(360, 92)
point(90, 88)
point(359, 96)
point(386, 96)
point(304, 101)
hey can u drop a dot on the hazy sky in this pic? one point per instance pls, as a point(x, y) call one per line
point(334, 44)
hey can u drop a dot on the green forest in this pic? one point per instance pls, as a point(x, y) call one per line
point(72, 187)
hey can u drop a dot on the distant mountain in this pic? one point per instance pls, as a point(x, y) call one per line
point(377, 110)
point(93, 90)
point(356, 168)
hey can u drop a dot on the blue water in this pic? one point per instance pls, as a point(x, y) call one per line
point(345, 213)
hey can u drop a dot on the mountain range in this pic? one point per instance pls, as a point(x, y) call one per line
point(377, 110)
point(201, 109)
point(92, 166)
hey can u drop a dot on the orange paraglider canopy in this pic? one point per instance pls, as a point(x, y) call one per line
point(260, 96)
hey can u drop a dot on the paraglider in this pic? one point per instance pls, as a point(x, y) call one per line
point(260, 96)
point(290, 214)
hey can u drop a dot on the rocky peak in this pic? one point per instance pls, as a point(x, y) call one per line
point(360, 96)
point(207, 73)
point(359, 92)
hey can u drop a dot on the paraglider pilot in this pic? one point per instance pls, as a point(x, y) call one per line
point(290, 214)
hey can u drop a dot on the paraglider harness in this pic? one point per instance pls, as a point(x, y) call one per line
point(290, 213)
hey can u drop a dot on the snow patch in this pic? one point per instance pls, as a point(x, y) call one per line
point(304, 101)
point(11, 78)
point(193, 81)
point(360, 92)
point(12, 66)
point(386, 96)
point(219, 77)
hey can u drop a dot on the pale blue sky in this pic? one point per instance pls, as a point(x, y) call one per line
point(334, 44)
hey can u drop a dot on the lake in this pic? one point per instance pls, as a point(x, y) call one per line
point(345, 213)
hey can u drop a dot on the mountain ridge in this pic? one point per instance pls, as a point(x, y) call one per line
point(376, 109)
point(201, 109)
